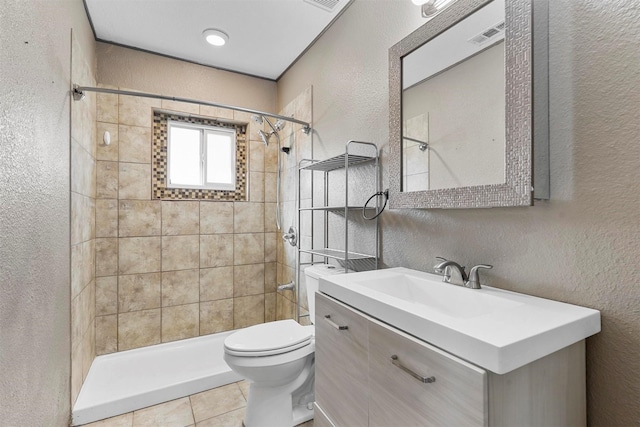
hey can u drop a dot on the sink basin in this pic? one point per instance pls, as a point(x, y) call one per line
point(496, 329)
point(438, 296)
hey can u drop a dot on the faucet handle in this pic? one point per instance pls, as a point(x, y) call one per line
point(474, 276)
point(437, 267)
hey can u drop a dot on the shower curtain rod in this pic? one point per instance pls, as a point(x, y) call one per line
point(78, 94)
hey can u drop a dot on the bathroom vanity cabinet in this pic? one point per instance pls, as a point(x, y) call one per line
point(371, 374)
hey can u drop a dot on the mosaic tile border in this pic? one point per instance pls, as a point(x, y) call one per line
point(159, 161)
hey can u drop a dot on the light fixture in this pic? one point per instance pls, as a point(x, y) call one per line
point(431, 8)
point(215, 37)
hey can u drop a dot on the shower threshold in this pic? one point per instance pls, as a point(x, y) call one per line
point(122, 382)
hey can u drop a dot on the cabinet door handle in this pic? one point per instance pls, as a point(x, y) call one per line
point(327, 317)
point(426, 380)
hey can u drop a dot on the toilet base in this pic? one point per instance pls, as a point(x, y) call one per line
point(284, 406)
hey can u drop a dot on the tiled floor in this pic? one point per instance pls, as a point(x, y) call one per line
point(220, 407)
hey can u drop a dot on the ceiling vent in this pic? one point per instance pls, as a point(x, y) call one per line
point(491, 34)
point(327, 5)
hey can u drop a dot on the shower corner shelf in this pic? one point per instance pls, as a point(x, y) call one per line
point(347, 258)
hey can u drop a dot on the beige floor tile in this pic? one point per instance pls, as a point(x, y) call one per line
point(216, 402)
point(230, 419)
point(125, 420)
point(176, 413)
point(244, 388)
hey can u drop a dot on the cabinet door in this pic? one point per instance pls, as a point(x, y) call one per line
point(320, 419)
point(456, 397)
point(341, 363)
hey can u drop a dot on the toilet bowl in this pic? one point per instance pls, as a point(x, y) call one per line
point(277, 358)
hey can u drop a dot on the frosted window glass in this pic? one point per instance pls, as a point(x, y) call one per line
point(220, 159)
point(184, 156)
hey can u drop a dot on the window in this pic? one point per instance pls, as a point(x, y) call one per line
point(200, 156)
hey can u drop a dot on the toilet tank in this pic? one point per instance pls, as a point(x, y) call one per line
point(312, 279)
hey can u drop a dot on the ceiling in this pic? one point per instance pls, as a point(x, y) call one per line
point(265, 36)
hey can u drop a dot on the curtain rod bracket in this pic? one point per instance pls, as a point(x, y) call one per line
point(77, 93)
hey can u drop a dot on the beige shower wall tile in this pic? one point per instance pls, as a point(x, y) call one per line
point(135, 181)
point(180, 322)
point(248, 217)
point(216, 112)
point(135, 110)
point(180, 252)
point(270, 218)
point(270, 187)
point(138, 329)
point(248, 280)
point(256, 156)
point(256, 186)
point(135, 144)
point(271, 154)
point(180, 107)
point(82, 266)
point(180, 287)
point(103, 151)
point(270, 247)
point(106, 334)
point(106, 257)
point(216, 316)
point(285, 309)
point(216, 217)
point(138, 292)
point(106, 218)
point(216, 283)
point(107, 106)
point(248, 248)
point(270, 307)
point(139, 218)
point(107, 180)
point(216, 250)
point(83, 215)
point(270, 277)
point(106, 295)
point(252, 127)
point(248, 311)
point(83, 166)
point(139, 255)
point(76, 372)
point(180, 218)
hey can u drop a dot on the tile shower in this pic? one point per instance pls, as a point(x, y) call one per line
point(174, 269)
point(169, 270)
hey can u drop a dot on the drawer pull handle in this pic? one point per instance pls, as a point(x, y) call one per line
point(426, 380)
point(327, 317)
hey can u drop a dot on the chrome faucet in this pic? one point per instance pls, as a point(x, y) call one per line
point(454, 273)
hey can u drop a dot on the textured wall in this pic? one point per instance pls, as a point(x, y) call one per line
point(128, 68)
point(35, 61)
point(582, 246)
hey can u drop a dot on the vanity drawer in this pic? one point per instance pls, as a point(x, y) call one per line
point(457, 397)
point(341, 363)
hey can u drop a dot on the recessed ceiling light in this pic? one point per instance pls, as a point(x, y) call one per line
point(215, 37)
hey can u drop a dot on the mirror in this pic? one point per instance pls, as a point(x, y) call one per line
point(461, 111)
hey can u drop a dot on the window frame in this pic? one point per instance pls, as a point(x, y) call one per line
point(204, 130)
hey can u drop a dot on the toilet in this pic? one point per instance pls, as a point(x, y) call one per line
point(277, 358)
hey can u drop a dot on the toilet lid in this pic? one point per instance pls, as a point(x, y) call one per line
point(279, 335)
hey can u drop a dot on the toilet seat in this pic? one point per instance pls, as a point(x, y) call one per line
point(268, 339)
